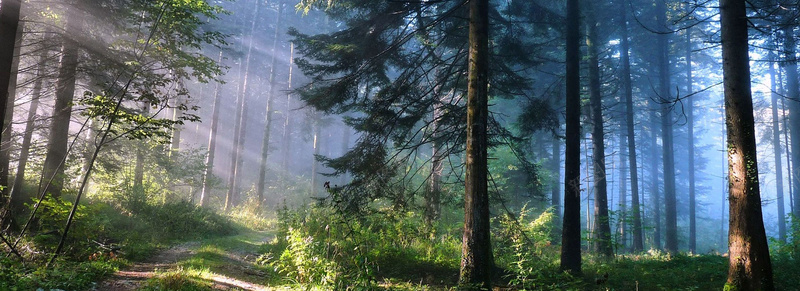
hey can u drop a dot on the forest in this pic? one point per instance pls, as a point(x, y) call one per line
point(399, 145)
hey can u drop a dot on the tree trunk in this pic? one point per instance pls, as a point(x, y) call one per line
point(690, 125)
point(749, 262)
point(655, 190)
point(638, 237)
point(571, 227)
point(212, 144)
point(9, 24)
point(793, 93)
point(262, 173)
point(476, 248)
point(5, 139)
point(287, 122)
point(177, 113)
point(138, 170)
point(62, 111)
point(317, 133)
point(15, 201)
point(602, 229)
point(667, 149)
point(432, 197)
point(776, 147)
point(623, 189)
point(555, 184)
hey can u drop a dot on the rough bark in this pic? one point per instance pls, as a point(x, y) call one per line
point(262, 172)
point(62, 111)
point(212, 144)
point(571, 227)
point(476, 248)
point(749, 262)
point(601, 228)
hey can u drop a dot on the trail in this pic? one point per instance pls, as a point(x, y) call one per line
point(226, 264)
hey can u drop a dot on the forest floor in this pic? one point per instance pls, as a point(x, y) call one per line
point(227, 263)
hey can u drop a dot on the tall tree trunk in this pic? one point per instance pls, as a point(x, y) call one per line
point(776, 147)
point(62, 110)
point(177, 114)
point(5, 139)
point(571, 227)
point(638, 236)
point(555, 184)
point(690, 128)
point(241, 122)
point(655, 190)
point(212, 144)
point(667, 149)
point(138, 170)
point(287, 122)
point(793, 93)
point(15, 201)
point(749, 263)
point(602, 229)
point(623, 189)
point(9, 24)
point(262, 173)
point(317, 133)
point(476, 248)
point(432, 199)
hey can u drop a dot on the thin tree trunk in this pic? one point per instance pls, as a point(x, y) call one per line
point(602, 229)
point(8, 131)
point(638, 236)
point(212, 144)
point(667, 149)
point(690, 127)
point(655, 191)
point(287, 122)
point(262, 173)
point(776, 147)
point(793, 93)
point(623, 189)
point(749, 263)
point(476, 248)
point(177, 113)
point(571, 229)
point(317, 133)
point(432, 197)
point(555, 184)
point(62, 110)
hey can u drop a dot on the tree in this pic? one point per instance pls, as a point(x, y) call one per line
point(749, 262)
point(56, 156)
point(212, 143)
point(9, 23)
point(690, 126)
point(571, 230)
point(273, 84)
point(670, 199)
point(476, 248)
point(602, 230)
point(776, 148)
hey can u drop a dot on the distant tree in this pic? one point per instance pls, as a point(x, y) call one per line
point(670, 199)
point(749, 262)
point(212, 143)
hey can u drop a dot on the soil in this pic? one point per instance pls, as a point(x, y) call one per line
point(135, 276)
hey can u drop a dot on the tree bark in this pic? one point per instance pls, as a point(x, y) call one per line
point(212, 143)
point(262, 173)
point(287, 122)
point(749, 261)
point(667, 143)
point(476, 248)
point(62, 110)
point(571, 228)
point(602, 229)
point(655, 189)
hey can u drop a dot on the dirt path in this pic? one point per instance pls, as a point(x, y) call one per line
point(234, 265)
